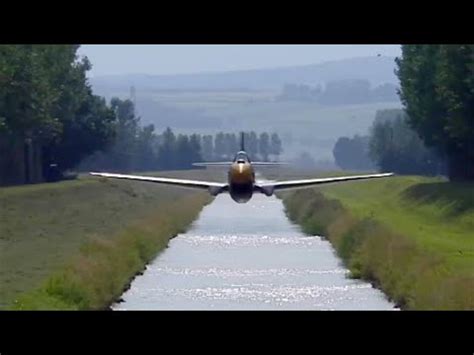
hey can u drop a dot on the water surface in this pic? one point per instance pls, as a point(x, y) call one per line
point(248, 257)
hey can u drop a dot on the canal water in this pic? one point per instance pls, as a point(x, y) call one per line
point(248, 257)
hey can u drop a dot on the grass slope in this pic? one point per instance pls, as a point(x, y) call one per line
point(413, 236)
point(48, 229)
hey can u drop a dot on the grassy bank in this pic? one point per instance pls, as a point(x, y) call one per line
point(412, 236)
point(76, 244)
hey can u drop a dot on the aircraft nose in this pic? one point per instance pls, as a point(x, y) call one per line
point(241, 173)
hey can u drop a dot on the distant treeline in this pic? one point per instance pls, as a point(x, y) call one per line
point(353, 153)
point(259, 146)
point(341, 92)
point(391, 146)
point(137, 148)
point(435, 132)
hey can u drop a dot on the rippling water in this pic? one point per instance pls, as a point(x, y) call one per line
point(248, 256)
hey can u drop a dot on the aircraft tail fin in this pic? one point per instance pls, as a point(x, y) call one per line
point(242, 141)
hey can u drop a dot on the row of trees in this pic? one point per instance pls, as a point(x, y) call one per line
point(48, 113)
point(392, 145)
point(223, 146)
point(395, 146)
point(353, 153)
point(340, 92)
point(437, 90)
point(138, 148)
point(51, 122)
point(434, 134)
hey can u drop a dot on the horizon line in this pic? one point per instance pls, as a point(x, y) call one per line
point(237, 70)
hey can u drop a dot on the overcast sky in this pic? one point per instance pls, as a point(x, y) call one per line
point(176, 59)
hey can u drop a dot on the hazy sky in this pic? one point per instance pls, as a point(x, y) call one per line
point(174, 59)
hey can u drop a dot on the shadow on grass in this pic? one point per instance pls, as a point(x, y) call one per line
point(457, 197)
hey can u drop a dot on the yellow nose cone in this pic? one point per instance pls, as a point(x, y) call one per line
point(241, 174)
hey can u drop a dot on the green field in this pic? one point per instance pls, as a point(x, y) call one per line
point(75, 226)
point(411, 235)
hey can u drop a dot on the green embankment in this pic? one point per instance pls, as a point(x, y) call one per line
point(412, 236)
point(77, 244)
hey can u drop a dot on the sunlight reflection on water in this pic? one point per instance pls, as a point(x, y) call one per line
point(248, 256)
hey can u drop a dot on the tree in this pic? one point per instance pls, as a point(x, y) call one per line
point(251, 144)
point(229, 145)
point(208, 147)
point(394, 146)
point(219, 146)
point(455, 87)
point(353, 153)
point(145, 158)
point(195, 148)
point(275, 145)
point(91, 129)
point(264, 146)
point(27, 97)
point(182, 158)
point(28, 93)
point(86, 121)
point(234, 145)
point(48, 113)
point(124, 149)
point(167, 149)
point(437, 90)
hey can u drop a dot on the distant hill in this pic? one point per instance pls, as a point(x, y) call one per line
point(378, 70)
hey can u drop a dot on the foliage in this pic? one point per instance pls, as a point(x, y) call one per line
point(47, 111)
point(396, 147)
point(353, 153)
point(340, 92)
point(437, 89)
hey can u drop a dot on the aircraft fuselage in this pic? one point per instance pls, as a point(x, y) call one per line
point(241, 179)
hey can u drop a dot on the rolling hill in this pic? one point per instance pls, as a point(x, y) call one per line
point(377, 70)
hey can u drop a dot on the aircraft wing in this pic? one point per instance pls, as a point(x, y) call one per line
point(213, 187)
point(227, 163)
point(213, 163)
point(268, 163)
point(268, 188)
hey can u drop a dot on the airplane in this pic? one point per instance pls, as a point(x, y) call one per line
point(241, 184)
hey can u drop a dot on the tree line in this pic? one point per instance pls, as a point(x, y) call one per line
point(223, 146)
point(137, 148)
point(340, 92)
point(434, 133)
point(49, 117)
point(437, 90)
point(391, 145)
point(51, 122)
